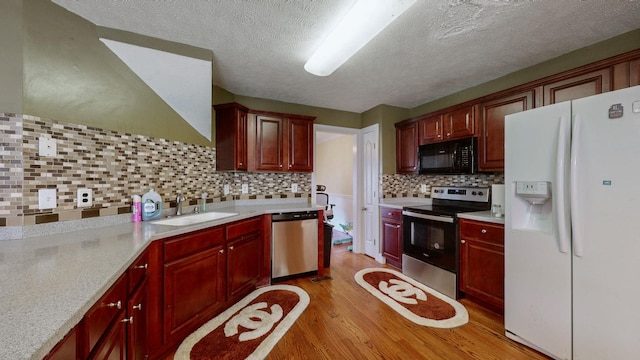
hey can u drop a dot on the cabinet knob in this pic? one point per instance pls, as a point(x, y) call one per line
point(463, 241)
point(222, 251)
point(390, 214)
point(240, 164)
point(484, 231)
point(145, 266)
point(127, 320)
point(117, 305)
point(280, 166)
point(397, 226)
point(448, 134)
point(230, 247)
point(137, 307)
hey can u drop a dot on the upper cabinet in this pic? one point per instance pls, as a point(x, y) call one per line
point(576, 87)
point(249, 140)
point(407, 147)
point(455, 124)
point(492, 113)
point(430, 129)
point(283, 142)
point(231, 137)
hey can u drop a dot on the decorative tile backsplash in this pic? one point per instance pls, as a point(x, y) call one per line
point(115, 166)
point(400, 185)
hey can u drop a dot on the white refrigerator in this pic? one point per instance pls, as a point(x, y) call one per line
point(572, 227)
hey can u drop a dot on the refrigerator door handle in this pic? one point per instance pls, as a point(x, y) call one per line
point(563, 140)
point(578, 249)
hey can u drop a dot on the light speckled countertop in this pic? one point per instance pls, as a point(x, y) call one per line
point(47, 283)
point(482, 216)
point(399, 203)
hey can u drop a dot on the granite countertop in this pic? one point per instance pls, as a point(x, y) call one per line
point(399, 203)
point(482, 216)
point(48, 283)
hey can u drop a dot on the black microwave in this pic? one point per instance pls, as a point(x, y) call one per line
point(449, 157)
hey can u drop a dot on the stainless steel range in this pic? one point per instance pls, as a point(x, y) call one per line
point(430, 236)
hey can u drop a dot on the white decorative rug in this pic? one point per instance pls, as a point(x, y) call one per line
point(411, 299)
point(249, 329)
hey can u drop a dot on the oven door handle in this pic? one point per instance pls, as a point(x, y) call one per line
point(447, 219)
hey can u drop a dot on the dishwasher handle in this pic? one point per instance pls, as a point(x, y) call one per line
point(294, 216)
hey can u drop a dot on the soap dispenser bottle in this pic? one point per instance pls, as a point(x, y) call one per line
point(151, 206)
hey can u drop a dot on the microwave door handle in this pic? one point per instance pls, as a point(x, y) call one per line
point(454, 156)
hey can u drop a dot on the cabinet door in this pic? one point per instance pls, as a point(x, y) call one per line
point(194, 288)
point(300, 145)
point(578, 87)
point(634, 72)
point(492, 113)
point(482, 262)
point(138, 320)
point(407, 148)
point(231, 137)
point(459, 124)
point(113, 345)
point(66, 349)
point(269, 143)
point(98, 319)
point(244, 264)
point(392, 241)
point(430, 129)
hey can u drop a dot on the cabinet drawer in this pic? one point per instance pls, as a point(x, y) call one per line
point(391, 213)
point(493, 233)
point(102, 314)
point(138, 270)
point(192, 243)
point(244, 227)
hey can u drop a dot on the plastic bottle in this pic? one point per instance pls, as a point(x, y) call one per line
point(151, 206)
point(203, 202)
point(136, 209)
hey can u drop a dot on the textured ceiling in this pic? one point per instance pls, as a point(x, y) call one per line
point(436, 48)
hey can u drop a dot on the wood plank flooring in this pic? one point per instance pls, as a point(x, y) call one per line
point(344, 321)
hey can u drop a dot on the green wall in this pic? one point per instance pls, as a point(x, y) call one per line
point(71, 76)
point(11, 56)
point(386, 116)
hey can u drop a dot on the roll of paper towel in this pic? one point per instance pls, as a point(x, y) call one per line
point(497, 197)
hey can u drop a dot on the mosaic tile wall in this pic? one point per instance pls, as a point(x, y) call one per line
point(115, 166)
point(399, 185)
point(10, 169)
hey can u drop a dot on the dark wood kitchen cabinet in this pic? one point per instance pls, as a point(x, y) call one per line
point(231, 137)
point(492, 113)
point(283, 142)
point(244, 257)
point(453, 124)
point(482, 262)
point(579, 86)
point(430, 129)
point(194, 280)
point(67, 348)
point(391, 224)
point(407, 147)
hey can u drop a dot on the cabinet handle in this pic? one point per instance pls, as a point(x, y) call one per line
point(484, 231)
point(145, 266)
point(390, 214)
point(222, 251)
point(137, 307)
point(127, 320)
point(448, 134)
point(397, 226)
point(117, 305)
point(240, 164)
point(281, 166)
point(463, 241)
point(230, 247)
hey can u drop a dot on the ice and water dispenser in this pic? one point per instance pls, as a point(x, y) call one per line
point(532, 208)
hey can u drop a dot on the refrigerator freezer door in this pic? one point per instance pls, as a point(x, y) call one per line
point(537, 271)
point(605, 275)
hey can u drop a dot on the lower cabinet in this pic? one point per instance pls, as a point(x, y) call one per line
point(244, 256)
point(482, 262)
point(391, 223)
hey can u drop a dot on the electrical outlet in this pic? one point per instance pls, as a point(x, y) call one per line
point(423, 188)
point(225, 189)
point(245, 188)
point(85, 197)
point(294, 188)
point(47, 199)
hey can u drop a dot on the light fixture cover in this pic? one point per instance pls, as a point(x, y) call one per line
point(365, 20)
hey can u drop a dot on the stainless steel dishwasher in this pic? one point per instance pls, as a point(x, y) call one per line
point(294, 244)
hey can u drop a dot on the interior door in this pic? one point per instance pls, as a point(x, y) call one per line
point(370, 192)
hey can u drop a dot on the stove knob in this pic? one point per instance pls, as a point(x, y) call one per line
point(480, 193)
point(473, 193)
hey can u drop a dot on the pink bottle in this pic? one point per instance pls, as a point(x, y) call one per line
point(136, 208)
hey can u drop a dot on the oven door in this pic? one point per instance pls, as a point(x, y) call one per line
point(431, 239)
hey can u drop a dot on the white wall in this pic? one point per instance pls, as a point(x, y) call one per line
point(335, 169)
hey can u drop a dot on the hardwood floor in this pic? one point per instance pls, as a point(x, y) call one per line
point(344, 321)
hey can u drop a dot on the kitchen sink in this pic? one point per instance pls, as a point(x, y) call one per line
point(193, 219)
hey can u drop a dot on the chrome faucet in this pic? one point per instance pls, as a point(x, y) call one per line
point(179, 200)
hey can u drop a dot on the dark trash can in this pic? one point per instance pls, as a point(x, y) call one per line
point(328, 230)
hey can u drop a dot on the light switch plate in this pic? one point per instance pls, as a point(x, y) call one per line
point(294, 188)
point(47, 146)
point(225, 189)
point(245, 188)
point(47, 199)
point(85, 197)
point(423, 188)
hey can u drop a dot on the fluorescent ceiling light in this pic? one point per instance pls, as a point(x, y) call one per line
point(365, 20)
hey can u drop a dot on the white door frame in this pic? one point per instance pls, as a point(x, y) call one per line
point(374, 228)
point(357, 180)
